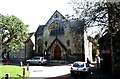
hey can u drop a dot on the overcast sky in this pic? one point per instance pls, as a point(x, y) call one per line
point(34, 12)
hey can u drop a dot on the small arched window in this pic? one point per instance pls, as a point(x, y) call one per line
point(46, 43)
point(68, 42)
point(40, 45)
point(56, 16)
point(69, 51)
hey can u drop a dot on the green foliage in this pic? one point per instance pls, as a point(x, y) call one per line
point(12, 70)
point(13, 32)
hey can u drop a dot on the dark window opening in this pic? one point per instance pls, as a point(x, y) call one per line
point(46, 43)
point(68, 42)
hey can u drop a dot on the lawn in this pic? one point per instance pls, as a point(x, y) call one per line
point(14, 71)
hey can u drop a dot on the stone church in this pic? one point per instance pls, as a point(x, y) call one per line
point(60, 39)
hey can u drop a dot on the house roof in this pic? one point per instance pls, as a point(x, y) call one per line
point(58, 41)
point(30, 35)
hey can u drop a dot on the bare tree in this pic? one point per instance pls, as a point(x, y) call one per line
point(102, 14)
point(105, 15)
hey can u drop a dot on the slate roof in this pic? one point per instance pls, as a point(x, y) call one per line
point(58, 41)
point(39, 30)
point(77, 25)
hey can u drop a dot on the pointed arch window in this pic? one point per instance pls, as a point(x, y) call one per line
point(46, 43)
point(40, 46)
point(56, 16)
point(56, 28)
point(68, 42)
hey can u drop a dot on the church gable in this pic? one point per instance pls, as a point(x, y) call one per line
point(61, 37)
point(57, 16)
point(55, 25)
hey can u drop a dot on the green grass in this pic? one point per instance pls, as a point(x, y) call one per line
point(14, 71)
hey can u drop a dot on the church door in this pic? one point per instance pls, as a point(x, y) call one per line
point(57, 52)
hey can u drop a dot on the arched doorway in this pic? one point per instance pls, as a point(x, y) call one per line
point(57, 52)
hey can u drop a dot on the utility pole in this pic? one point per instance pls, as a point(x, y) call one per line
point(110, 24)
point(112, 56)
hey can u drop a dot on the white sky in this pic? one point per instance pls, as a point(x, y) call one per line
point(34, 12)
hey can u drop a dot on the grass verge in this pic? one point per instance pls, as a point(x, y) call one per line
point(16, 72)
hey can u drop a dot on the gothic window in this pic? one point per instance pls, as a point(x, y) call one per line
point(56, 28)
point(69, 51)
point(68, 42)
point(46, 43)
point(56, 16)
point(77, 44)
point(53, 25)
point(62, 30)
point(40, 45)
point(22, 55)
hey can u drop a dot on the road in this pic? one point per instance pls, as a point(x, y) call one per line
point(49, 71)
point(63, 72)
point(53, 72)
